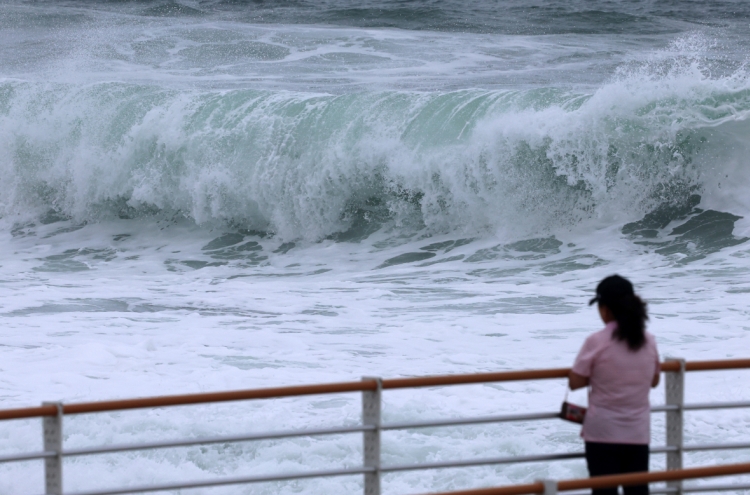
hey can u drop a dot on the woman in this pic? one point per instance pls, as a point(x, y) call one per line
point(620, 363)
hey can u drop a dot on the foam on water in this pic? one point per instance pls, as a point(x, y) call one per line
point(201, 197)
point(326, 313)
point(307, 166)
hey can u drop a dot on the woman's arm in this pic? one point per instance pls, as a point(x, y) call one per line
point(576, 381)
point(655, 380)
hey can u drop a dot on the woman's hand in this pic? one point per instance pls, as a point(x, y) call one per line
point(576, 381)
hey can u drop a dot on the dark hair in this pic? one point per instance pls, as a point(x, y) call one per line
point(630, 312)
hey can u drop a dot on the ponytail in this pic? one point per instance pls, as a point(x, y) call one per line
point(616, 293)
point(631, 314)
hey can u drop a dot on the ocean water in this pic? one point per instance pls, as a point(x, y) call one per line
point(213, 195)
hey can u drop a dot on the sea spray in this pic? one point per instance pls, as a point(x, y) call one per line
point(306, 165)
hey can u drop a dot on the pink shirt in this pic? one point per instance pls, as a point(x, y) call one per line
point(620, 380)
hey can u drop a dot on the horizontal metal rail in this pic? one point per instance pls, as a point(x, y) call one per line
point(687, 489)
point(331, 388)
point(403, 467)
point(483, 462)
point(108, 449)
point(690, 489)
point(716, 446)
point(501, 376)
point(227, 481)
point(724, 364)
point(713, 488)
point(211, 440)
point(470, 421)
point(496, 419)
point(715, 405)
point(663, 449)
point(543, 415)
point(653, 477)
point(27, 457)
point(525, 489)
point(612, 480)
point(664, 408)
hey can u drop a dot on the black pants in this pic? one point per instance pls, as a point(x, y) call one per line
point(617, 458)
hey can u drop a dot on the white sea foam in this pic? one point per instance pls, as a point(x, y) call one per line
point(79, 335)
point(305, 166)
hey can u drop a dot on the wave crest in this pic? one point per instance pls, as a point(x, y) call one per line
point(310, 166)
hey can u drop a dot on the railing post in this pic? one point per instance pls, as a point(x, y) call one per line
point(675, 396)
point(52, 431)
point(371, 405)
point(550, 487)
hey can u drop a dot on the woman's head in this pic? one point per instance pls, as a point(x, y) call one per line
point(616, 297)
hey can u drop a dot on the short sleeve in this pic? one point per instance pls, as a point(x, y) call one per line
point(585, 359)
point(657, 367)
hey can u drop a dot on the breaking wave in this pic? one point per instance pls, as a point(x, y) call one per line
point(307, 166)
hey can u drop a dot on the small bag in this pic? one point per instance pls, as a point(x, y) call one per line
point(572, 412)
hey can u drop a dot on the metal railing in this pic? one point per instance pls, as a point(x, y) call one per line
point(551, 487)
point(372, 388)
